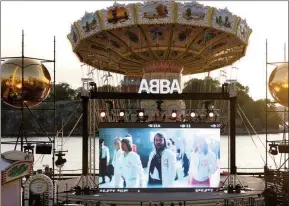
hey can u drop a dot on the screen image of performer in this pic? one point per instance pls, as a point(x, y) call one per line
point(131, 170)
point(161, 164)
point(103, 161)
point(134, 147)
point(203, 163)
point(117, 161)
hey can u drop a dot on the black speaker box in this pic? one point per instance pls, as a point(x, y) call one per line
point(43, 148)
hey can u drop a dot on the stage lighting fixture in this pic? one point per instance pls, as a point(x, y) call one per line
point(230, 189)
point(77, 190)
point(121, 114)
point(174, 114)
point(102, 114)
point(140, 114)
point(211, 114)
point(193, 114)
point(92, 86)
point(238, 188)
point(60, 161)
point(273, 150)
point(86, 190)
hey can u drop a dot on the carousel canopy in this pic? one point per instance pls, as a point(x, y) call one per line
point(125, 38)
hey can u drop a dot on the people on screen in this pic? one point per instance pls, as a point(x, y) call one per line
point(131, 170)
point(184, 154)
point(134, 148)
point(172, 146)
point(162, 163)
point(103, 161)
point(117, 161)
point(202, 163)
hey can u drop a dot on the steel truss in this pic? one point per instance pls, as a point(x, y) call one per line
point(49, 134)
point(278, 178)
point(93, 118)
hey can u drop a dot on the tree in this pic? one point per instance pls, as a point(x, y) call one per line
point(255, 111)
point(200, 85)
point(188, 12)
point(63, 92)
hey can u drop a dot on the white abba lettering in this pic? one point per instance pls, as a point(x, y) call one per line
point(159, 86)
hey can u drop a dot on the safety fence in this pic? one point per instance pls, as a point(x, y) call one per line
point(245, 201)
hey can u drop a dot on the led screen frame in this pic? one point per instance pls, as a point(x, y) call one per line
point(143, 145)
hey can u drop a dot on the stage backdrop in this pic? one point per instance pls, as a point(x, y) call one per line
point(162, 156)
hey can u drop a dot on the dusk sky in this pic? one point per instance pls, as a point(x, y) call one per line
point(42, 20)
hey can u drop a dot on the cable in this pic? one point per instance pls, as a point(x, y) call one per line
point(250, 125)
point(249, 133)
point(68, 119)
point(73, 128)
point(273, 158)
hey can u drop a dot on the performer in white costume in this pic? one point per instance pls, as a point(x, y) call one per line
point(203, 163)
point(162, 164)
point(117, 161)
point(131, 168)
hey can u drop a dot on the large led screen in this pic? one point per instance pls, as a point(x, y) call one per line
point(165, 156)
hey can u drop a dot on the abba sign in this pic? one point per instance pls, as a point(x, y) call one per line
point(159, 86)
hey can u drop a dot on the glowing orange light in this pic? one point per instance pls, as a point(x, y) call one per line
point(18, 86)
point(277, 89)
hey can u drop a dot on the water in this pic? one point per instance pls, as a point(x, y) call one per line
point(247, 154)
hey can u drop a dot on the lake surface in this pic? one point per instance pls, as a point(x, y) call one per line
point(247, 154)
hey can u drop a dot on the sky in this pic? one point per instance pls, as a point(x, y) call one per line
point(41, 21)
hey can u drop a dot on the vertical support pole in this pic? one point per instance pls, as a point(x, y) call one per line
point(233, 136)
point(22, 97)
point(54, 115)
point(85, 101)
point(22, 108)
point(266, 114)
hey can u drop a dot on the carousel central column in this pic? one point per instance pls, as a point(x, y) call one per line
point(168, 70)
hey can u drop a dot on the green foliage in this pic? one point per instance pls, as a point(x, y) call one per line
point(63, 92)
point(255, 111)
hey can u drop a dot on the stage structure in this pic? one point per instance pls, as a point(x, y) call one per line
point(125, 45)
point(25, 84)
point(277, 177)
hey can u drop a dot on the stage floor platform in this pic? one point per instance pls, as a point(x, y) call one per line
point(203, 198)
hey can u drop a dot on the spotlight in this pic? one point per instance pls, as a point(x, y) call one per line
point(174, 114)
point(238, 188)
point(60, 161)
point(140, 114)
point(121, 114)
point(92, 86)
point(193, 114)
point(211, 114)
point(273, 149)
point(77, 190)
point(102, 114)
point(230, 189)
point(86, 190)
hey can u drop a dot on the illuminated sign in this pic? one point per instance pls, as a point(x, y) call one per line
point(159, 86)
point(17, 170)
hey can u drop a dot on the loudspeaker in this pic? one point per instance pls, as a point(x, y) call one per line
point(43, 148)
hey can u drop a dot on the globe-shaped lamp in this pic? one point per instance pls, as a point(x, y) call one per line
point(278, 84)
point(36, 84)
